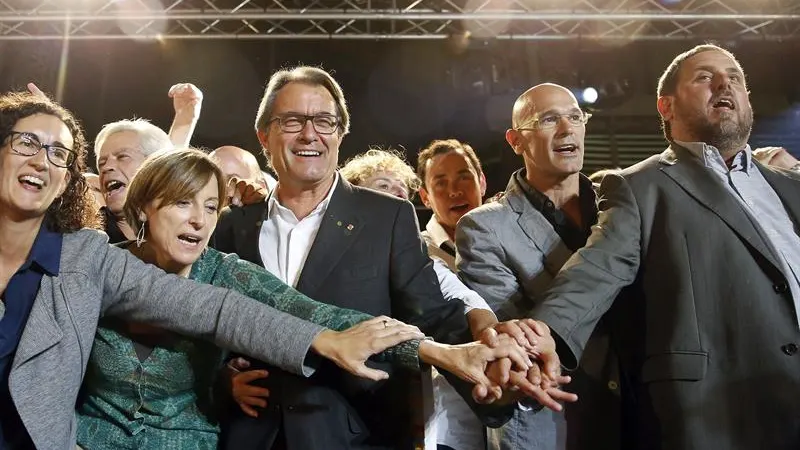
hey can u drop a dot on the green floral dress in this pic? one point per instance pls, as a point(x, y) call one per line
point(164, 400)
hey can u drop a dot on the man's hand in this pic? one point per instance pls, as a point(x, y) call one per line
point(33, 89)
point(542, 381)
point(349, 349)
point(187, 100)
point(245, 191)
point(775, 156)
point(246, 396)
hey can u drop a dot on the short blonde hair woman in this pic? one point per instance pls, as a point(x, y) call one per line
point(382, 170)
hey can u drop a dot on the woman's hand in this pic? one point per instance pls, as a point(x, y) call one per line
point(349, 349)
point(469, 361)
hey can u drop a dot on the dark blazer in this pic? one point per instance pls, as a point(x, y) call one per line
point(368, 256)
point(712, 347)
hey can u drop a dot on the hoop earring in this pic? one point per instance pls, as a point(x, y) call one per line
point(140, 235)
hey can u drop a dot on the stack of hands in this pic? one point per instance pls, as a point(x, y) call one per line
point(507, 362)
point(507, 379)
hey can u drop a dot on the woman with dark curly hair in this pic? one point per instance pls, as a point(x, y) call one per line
point(57, 278)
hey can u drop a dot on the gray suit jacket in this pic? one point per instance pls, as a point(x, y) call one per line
point(95, 279)
point(509, 253)
point(712, 346)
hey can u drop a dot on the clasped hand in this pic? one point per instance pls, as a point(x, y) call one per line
point(540, 381)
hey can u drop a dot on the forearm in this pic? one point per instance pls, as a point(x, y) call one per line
point(181, 131)
point(479, 320)
point(142, 292)
point(254, 281)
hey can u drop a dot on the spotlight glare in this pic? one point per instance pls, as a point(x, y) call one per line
point(589, 95)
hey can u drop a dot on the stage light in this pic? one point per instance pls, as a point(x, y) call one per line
point(589, 95)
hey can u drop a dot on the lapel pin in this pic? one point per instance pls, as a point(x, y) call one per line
point(339, 223)
point(349, 227)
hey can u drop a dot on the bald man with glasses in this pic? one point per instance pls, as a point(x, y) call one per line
point(509, 251)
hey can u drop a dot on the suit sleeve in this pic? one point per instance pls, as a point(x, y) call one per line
point(416, 296)
point(417, 299)
point(142, 292)
point(482, 264)
point(590, 280)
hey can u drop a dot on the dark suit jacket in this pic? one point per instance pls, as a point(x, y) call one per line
point(711, 346)
point(368, 256)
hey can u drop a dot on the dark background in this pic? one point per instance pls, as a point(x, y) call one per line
point(401, 93)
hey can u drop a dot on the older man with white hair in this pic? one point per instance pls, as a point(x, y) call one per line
point(122, 146)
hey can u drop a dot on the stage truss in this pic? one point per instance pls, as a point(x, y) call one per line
point(543, 20)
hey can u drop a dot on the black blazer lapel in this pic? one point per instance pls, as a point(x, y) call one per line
point(338, 231)
point(248, 231)
point(787, 188)
point(702, 186)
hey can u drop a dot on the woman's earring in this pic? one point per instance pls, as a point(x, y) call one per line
point(140, 235)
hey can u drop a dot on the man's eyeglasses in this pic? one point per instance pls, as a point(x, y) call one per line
point(28, 144)
point(294, 123)
point(551, 121)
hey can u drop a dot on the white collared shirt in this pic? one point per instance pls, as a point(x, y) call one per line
point(444, 266)
point(452, 423)
point(284, 241)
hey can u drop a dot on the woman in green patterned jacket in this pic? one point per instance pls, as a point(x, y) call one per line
point(148, 389)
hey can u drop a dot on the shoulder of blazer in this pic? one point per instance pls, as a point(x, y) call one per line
point(369, 199)
point(491, 212)
point(80, 248)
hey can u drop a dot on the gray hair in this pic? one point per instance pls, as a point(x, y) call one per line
point(151, 138)
point(313, 76)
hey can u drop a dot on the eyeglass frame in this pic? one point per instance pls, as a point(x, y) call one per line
point(47, 148)
point(534, 124)
point(306, 119)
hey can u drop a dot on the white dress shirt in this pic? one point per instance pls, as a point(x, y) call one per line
point(444, 265)
point(285, 241)
point(452, 422)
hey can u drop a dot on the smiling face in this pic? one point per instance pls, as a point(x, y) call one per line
point(30, 184)
point(453, 187)
point(710, 103)
point(118, 161)
point(304, 159)
point(178, 233)
point(550, 154)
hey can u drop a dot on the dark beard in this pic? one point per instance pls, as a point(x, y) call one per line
point(728, 136)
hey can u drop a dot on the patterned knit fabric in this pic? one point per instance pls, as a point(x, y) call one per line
point(165, 402)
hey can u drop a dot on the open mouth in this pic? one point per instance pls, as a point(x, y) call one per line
point(461, 209)
point(114, 185)
point(307, 153)
point(566, 149)
point(32, 182)
point(724, 103)
point(190, 239)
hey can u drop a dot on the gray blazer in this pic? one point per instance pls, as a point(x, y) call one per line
point(713, 341)
point(509, 253)
point(97, 279)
